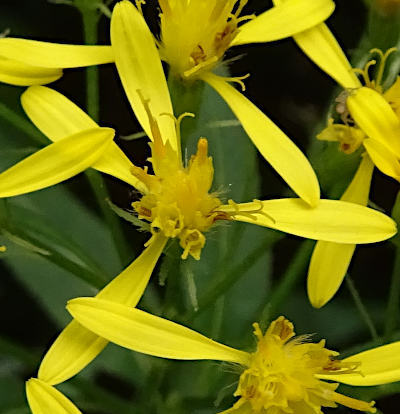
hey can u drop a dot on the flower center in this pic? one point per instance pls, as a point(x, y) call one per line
point(178, 202)
point(196, 33)
point(282, 375)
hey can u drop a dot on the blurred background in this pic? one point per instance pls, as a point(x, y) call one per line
point(245, 275)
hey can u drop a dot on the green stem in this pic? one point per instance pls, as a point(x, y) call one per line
point(220, 287)
point(90, 18)
point(393, 304)
point(23, 124)
point(361, 308)
point(289, 280)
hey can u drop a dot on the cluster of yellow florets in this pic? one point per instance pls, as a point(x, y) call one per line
point(282, 375)
point(178, 202)
point(188, 45)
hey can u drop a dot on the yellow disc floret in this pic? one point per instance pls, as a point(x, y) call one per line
point(282, 375)
point(178, 202)
point(196, 33)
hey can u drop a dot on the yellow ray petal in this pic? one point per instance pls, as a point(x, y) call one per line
point(45, 399)
point(377, 366)
point(358, 190)
point(72, 351)
point(383, 158)
point(76, 346)
point(328, 267)
point(274, 145)
point(56, 163)
point(54, 55)
point(292, 17)
point(21, 74)
point(322, 48)
point(330, 261)
point(53, 113)
point(139, 67)
point(149, 334)
point(375, 117)
point(392, 95)
point(331, 220)
point(57, 117)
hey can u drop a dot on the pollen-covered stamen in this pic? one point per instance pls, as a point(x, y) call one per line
point(195, 34)
point(281, 376)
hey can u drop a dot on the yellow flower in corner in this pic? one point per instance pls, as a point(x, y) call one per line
point(367, 117)
point(285, 374)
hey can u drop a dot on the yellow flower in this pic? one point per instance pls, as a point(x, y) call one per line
point(192, 50)
point(284, 375)
point(195, 34)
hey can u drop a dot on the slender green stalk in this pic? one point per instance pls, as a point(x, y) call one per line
point(393, 304)
point(361, 308)
point(221, 286)
point(288, 282)
point(90, 18)
point(93, 278)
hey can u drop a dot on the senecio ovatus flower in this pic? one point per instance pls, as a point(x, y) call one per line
point(194, 37)
point(285, 374)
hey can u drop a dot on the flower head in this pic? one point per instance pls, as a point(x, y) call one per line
point(285, 375)
point(193, 48)
point(177, 201)
point(282, 375)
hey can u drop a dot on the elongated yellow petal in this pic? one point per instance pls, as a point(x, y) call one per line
point(76, 346)
point(331, 220)
point(273, 144)
point(375, 117)
point(292, 17)
point(377, 366)
point(383, 158)
point(330, 261)
point(56, 163)
point(54, 55)
point(21, 74)
point(328, 267)
point(139, 67)
point(57, 117)
point(54, 114)
point(149, 334)
point(72, 351)
point(45, 399)
point(358, 190)
point(322, 48)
